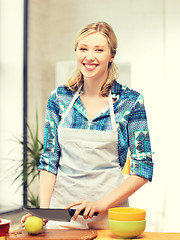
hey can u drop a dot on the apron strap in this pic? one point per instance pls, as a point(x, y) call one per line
point(112, 115)
point(64, 115)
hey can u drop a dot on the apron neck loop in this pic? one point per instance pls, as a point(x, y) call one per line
point(112, 115)
point(64, 115)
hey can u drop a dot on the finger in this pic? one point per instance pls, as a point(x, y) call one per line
point(78, 210)
point(23, 219)
point(44, 221)
point(74, 204)
point(86, 212)
point(92, 211)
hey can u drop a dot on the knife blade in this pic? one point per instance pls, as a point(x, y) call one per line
point(56, 214)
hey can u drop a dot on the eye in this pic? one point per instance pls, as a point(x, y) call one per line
point(83, 49)
point(99, 50)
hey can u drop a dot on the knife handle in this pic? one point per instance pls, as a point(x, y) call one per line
point(72, 211)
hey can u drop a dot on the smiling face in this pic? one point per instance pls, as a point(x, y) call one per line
point(93, 56)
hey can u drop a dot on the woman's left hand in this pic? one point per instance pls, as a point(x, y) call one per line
point(89, 206)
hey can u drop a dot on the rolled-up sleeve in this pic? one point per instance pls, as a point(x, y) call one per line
point(139, 141)
point(49, 160)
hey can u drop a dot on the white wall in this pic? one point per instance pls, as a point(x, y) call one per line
point(171, 115)
point(11, 98)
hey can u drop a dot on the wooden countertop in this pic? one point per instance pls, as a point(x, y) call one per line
point(107, 235)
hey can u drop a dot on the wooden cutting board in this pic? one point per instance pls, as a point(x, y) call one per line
point(48, 234)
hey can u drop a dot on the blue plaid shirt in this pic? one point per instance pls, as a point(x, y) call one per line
point(130, 117)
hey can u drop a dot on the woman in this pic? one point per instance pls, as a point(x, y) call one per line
point(90, 124)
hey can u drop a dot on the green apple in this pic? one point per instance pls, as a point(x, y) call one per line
point(33, 225)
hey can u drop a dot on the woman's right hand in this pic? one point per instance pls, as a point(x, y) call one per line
point(23, 219)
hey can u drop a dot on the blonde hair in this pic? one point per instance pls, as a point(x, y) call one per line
point(76, 79)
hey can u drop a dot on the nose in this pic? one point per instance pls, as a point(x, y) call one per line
point(89, 55)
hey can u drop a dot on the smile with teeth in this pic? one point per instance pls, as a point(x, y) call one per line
point(90, 67)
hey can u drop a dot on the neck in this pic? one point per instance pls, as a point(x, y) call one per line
point(92, 87)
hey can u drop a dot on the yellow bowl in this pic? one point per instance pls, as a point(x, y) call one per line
point(126, 214)
point(127, 229)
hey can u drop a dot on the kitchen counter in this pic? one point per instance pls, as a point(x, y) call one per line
point(107, 235)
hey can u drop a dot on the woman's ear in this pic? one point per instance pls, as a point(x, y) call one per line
point(111, 59)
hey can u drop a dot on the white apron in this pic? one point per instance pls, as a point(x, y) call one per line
point(88, 169)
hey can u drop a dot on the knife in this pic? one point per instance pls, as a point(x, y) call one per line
point(56, 214)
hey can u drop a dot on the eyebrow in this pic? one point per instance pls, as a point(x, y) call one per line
point(87, 45)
